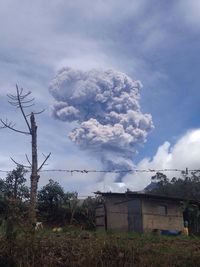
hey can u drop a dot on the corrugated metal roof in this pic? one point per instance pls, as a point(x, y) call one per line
point(131, 195)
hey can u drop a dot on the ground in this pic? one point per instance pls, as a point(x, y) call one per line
point(81, 248)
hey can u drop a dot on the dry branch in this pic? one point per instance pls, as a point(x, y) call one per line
point(43, 163)
point(19, 164)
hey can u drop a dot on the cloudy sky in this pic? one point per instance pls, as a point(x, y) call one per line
point(154, 42)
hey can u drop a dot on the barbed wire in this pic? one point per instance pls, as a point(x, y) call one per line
point(85, 171)
point(120, 171)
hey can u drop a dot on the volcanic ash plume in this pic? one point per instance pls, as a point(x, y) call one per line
point(105, 105)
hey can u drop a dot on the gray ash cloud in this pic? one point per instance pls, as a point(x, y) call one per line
point(105, 105)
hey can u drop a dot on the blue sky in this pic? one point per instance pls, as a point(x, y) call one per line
point(156, 42)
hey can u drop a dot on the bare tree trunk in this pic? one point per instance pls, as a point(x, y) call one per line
point(21, 100)
point(34, 174)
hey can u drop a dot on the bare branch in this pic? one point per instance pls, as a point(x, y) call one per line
point(28, 159)
point(12, 97)
point(46, 158)
point(36, 113)
point(27, 101)
point(39, 112)
point(25, 95)
point(15, 98)
point(18, 164)
point(19, 100)
point(23, 104)
point(13, 103)
point(21, 91)
point(27, 106)
point(10, 126)
point(21, 108)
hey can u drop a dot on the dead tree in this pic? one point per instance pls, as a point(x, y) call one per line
point(22, 101)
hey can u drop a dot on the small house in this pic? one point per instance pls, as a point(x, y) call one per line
point(139, 212)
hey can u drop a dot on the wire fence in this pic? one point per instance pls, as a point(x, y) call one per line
point(86, 171)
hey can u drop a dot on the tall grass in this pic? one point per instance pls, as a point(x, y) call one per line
point(77, 248)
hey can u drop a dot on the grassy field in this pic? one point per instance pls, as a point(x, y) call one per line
point(79, 248)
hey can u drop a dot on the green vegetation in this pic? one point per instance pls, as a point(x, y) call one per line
point(55, 207)
point(186, 187)
point(81, 248)
point(73, 245)
point(14, 185)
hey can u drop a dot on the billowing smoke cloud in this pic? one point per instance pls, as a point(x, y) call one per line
point(105, 105)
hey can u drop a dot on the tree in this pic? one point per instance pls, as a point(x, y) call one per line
point(187, 186)
point(22, 101)
point(50, 199)
point(2, 187)
point(51, 194)
point(3, 204)
point(13, 207)
point(160, 178)
point(14, 184)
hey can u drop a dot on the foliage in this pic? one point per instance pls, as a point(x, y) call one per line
point(13, 192)
point(60, 208)
point(50, 200)
point(185, 187)
point(160, 178)
point(14, 184)
point(51, 194)
point(13, 205)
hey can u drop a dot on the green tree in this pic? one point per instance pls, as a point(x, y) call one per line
point(3, 203)
point(2, 188)
point(160, 178)
point(14, 185)
point(186, 187)
point(51, 194)
point(13, 208)
point(50, 199)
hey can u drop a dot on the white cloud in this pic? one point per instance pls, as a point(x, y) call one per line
point(185, 153)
